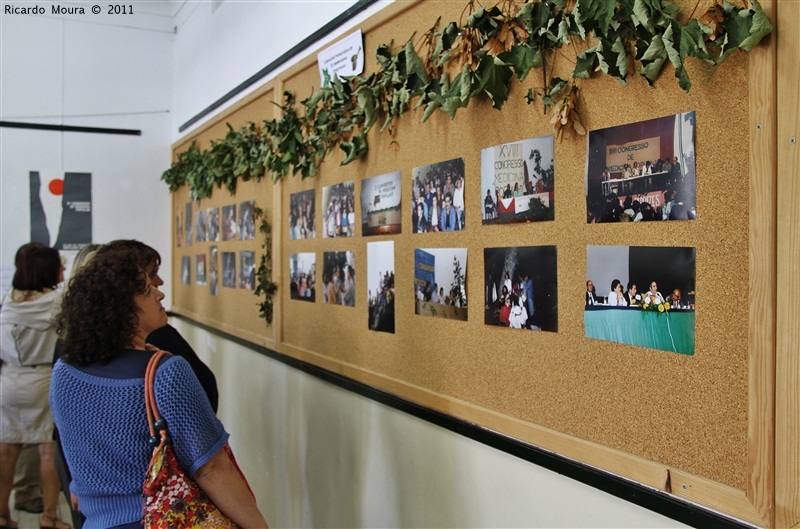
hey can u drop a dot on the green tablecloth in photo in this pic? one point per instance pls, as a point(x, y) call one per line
point(672, 331)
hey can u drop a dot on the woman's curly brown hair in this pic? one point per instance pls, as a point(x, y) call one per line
point(98, 316)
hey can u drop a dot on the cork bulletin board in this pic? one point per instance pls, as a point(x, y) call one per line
point(696, 426)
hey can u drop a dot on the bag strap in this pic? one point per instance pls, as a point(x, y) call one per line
point(150, 394)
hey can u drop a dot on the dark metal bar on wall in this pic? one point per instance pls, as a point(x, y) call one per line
point(638, 494)
point(308, 41)
point(69, 128)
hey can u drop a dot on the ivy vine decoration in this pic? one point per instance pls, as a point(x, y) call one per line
point(453, 64)
point(264, 284)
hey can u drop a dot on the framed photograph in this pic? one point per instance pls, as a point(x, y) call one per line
point(247, 270)
point(339, 278)
point(642, 171)
point(200, 226)
point(380, 204)
point(437, 193)
point(440, 282)
point(188, 218)
point(229, 269)
point(517, 181)
point(302, 280)
point(186, 270)
point(247, 220)
point(301, 215)
point(380, 286)
point(213, 271)
point(338, 205)
point(229, 226)
point(641, 295)
point(200, 269)
point(178, 227)
point(520, 287)
point(212, 224)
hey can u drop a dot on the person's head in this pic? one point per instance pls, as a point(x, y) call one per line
point(616, 286)
point(84, 255)
point(38, 268)
point(420, 210)
point(676, 294)
point(448, 201)
point(589, 286)
point(653, 287)
point(22, 251)
point(632, 288)
point(146, 257)
point(109, 305)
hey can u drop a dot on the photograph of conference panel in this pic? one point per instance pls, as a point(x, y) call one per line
point(642, 171)
point(521, 288)
point(517, 181)
point(301, 215)
point(229, 227)
point(641, 295)
point(247, 270)
point(380, 285)
point(380, 205)
point(339, 278)
point(302, 279)
point(440, 282)
point(339, 210)
point(438, 197)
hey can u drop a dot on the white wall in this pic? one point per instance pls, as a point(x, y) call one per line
point(92, 71)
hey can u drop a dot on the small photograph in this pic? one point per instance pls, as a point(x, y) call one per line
point(188, 224)
point(247, 270)
point(338, 203)
point(380, 285)
point(642, 171)
point(200, 226)
point(213, 270)
point(517, 181)
point(186, 270)
point(229, 227)
point(437, 197)
point(179, 227)
point(641, 295)
point(339, 278)
point(301, 215)
point(302, 281)
point(247, 220)
point(229, 269)
point(440, 282)
point(380, 205)
point(521, 288)
point(200, 269)
point(212, 224)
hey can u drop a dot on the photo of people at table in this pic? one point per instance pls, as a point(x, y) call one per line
point(440, 282)
point(339, 278)
point(339, 210)
point(301, 215)
point(517, 181)
point(641, 295)
point(380, 204)
point(247, 270)
point(229, 269)
point(247, 220)
point(302, 281)
point(229, 227)
point(520, 287)
point(437, 193)
point(380, 285)
point(642, 171)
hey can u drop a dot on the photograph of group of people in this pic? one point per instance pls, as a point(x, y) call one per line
point(437, 202)
point(380, 286)
point(241, 228)
point(339, 210)
point(380, 204)
point(641, 295)
point(521, 289)
point(339, 278)
point(302, 276)
point(247, 269)
point(440, 282)
point(517, 181)
point(301, 215)
point(642, 171)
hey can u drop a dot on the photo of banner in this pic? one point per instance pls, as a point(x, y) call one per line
point(380, 204)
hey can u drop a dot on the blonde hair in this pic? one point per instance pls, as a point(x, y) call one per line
point(83, 256)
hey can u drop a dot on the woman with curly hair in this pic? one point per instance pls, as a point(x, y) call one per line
point(27, 344)
point(97, 398)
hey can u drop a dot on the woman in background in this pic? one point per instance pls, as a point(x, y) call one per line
point(97, 398)
point(27, 345)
